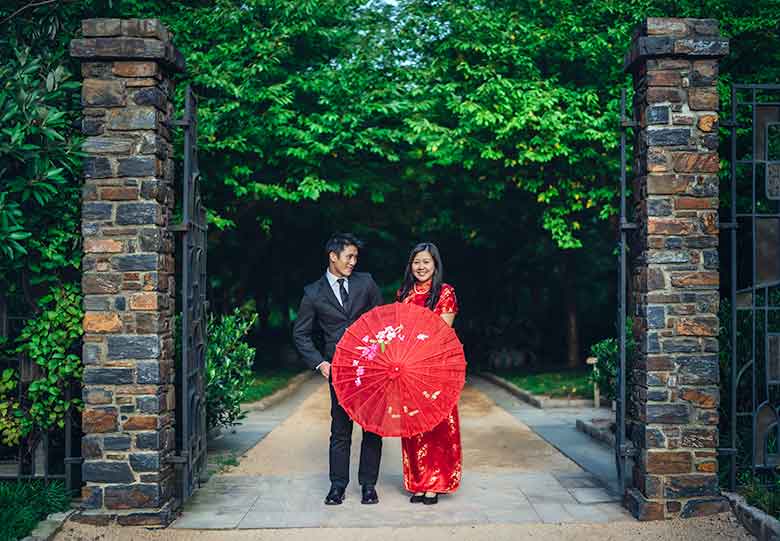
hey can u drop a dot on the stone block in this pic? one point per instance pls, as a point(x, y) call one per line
point(96, 396)
point(642, 508)
point(698, 370)
point(107, 145)
point(102, 246)
point(714, 47)
point(662, 94)
point(664, 26)
point(150, 96)
point(668, 462)
point(102, 322)
point(119, 193)
point(100, 27)
point(133, 347)
point(103, 93)
point(699, 438)
point(135, 496)
point(108, 376)
point(149, 372)
point(708, 123)
point(658, 114)
point(697, 326)
point(132, 118)
point(144, 301)
point(141, 422)
point(668, 136)
point(703, 98)
point(93, 283)
point(99, 420)
point(668, 256)
point(138, 166)
point(135, 262)
point(145, 462)
point(96, 211)
point(680, 345)
point(700, 507)
point(664, 78)
point(696, 162)
point(148, 404)
point(666, 184)
point(689, 486)
point(97, 167)
point(696, 279)
point(90, 447)
point(668, 226)
point(667, 413)
point(135, 69)
point(117, 443)
point(147, 440)
point(137, 213)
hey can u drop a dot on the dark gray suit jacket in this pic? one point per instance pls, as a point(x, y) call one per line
point(322, 316)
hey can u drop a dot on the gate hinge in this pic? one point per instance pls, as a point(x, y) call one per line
point(627, 226)
point(627, 450)
point(179, 228)
point(177, 459)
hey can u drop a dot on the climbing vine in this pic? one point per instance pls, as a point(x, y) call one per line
point(50, 341)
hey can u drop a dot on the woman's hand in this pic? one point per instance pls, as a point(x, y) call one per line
point(448, 318)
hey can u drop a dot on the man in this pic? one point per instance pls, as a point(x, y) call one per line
point(329, 306)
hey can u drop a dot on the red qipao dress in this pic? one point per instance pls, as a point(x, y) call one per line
point(433, 460)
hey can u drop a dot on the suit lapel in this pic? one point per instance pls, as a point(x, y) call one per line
point(330, 295)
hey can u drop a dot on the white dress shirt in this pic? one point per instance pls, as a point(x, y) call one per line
point(333, 280)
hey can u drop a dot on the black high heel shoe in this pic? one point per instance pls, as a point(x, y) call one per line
point(417, 498)
point(431, 500)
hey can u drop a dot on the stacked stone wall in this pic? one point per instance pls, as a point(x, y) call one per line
point(128, 271)
point(674, 392)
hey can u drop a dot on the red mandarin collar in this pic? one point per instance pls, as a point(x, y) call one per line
point(423, 288)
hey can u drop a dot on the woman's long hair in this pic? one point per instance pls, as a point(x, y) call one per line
point(436, 280)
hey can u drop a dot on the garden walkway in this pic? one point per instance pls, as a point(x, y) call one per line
point(515, 484)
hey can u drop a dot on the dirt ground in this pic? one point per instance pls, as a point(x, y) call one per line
point(717, 528)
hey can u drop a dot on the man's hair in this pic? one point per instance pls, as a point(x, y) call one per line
point(339, 241)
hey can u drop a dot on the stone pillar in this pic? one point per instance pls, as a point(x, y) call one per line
point(128, 271)
point(673, 415)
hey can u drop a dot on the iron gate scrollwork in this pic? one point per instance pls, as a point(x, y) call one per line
point(191, 366)
point(750, 294)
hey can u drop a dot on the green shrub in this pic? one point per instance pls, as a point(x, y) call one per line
point(23, 504)
point(228, 367)
point(607, 359)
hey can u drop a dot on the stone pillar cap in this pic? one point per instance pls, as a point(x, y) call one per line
point(670, 37)
point(127, 39)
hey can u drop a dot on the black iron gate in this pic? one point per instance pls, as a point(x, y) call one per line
point(750, 286)
point(623, 450)
point(191, 362)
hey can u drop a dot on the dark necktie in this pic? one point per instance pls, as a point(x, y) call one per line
point(343, 292)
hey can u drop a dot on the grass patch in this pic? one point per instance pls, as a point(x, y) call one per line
point(554, 384)
point(23, 504)
point(268, 382)
point(766, 498)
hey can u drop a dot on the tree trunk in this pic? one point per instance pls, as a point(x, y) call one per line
point(572, 322)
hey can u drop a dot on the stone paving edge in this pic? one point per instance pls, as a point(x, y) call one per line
point(763, 526)
point(46, 529)
point(537, 401)
point(280, 394)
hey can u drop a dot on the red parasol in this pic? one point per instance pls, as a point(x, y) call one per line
point(398, 370)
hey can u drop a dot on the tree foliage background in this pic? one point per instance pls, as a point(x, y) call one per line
point(488, 127)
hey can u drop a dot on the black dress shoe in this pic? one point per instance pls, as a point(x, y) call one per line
point(417, 498)
point(369, 495)
point(431, 500)
point(335, 496)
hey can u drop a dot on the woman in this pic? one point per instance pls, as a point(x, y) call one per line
point(432, 460)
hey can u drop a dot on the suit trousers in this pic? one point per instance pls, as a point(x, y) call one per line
point(340, 444)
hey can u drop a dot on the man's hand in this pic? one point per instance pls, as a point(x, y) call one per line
point(325, 369)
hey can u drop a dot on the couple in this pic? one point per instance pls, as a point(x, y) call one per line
point(431, 460)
